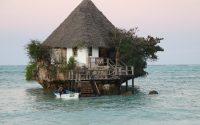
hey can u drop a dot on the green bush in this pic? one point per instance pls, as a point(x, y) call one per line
point(37, 52)
point(66, 66)
point(71, 63)
point(31, 70)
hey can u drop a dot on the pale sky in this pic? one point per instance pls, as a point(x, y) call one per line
point(178, 21)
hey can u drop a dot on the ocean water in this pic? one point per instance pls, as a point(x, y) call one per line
point(178, 102)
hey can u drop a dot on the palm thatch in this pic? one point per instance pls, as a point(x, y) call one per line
point(86, 25)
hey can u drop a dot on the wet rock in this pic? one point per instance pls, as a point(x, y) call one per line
point(153, 92)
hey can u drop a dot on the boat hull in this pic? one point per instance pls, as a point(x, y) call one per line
point(67, 96)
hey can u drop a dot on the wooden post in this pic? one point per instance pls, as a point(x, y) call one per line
point(119, 87)
point(79, 77)
point(133, 85)
point(126, 70)
point(70, 86)
point(69, 76)
point(76, 79)
point(72, 75)
point(126, 86)
point(75, 86)
point(107, 61)
point(97, 88)
point(90, 61)
point(132, 69)
point(120, 70)
point(115, 70)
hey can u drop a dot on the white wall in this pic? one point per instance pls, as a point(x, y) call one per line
point(95, 52)
point(82, 55)
point(69, 53)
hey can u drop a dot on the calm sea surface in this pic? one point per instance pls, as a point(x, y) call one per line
point(178, 102)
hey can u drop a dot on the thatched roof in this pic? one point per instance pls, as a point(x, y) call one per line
point(86, 25)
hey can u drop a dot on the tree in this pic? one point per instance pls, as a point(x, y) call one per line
point(117, 38)
point(136, 51)
point(36, 53)
point(71, 63)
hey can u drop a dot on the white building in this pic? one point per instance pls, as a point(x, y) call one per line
point(85, 33)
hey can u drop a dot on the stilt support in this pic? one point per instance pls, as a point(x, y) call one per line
point(133, 85)
point(126, 86)
point(120, 89)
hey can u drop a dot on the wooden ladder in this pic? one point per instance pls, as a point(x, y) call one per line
point(86, 89)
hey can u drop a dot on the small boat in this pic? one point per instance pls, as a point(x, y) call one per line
point(68, 95)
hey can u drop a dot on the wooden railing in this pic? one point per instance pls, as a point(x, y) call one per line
point(97, 61)
point(100, 69)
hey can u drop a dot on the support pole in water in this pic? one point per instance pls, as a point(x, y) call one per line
point(133, 85)
point(119, 87)
point(126, 85)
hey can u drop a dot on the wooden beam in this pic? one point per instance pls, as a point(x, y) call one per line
point(97, 88)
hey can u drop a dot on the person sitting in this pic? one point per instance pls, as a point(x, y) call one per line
point(61, 90)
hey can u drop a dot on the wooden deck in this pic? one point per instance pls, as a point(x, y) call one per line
point(90, 79)
point(101, 69)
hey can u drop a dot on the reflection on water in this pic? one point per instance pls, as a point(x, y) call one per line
point(39, 93)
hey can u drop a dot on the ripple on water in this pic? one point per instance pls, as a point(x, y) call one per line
point(178, 101)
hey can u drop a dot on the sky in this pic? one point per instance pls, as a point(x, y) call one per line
point(177, 21)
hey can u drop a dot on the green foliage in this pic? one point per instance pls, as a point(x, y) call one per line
point(37, 52)
point(31, 70)
point(71, 63)
point(136, 51)
point(68, 66)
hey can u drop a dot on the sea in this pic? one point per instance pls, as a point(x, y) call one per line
point(178, 101)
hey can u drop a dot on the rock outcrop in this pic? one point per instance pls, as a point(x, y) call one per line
point(153, 92)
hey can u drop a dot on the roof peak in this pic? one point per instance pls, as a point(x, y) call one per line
point(87, 0)
point(86, 3)
point(86, 25)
